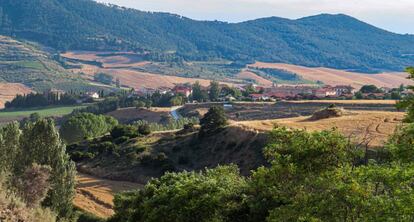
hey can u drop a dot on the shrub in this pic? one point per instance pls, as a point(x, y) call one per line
point(34, 184)
point(106, 147)
point(124, 130)
point(213, 120)
point(132, 156)
point(121, 140)
point(144, 129)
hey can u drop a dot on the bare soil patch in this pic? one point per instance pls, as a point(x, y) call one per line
point(9, 90)
point(368, 102)
point(375, 126)
point(95, 195)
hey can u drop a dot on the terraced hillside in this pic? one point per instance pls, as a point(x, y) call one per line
point(28, 64)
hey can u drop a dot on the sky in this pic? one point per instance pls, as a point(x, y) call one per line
point(392, 15)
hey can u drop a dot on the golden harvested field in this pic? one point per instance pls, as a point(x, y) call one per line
point(375, 126)
point(108, 59)
point(339, 77)
point(136, 79)
point(386, 102)
point(95, 195)
point(9, 90)
point(120, 65)
point(247, 75)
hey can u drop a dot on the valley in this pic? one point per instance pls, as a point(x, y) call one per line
point(115, 114)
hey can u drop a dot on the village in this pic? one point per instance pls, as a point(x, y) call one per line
point(252, 92)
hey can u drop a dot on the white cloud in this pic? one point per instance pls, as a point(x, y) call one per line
point(393, 15)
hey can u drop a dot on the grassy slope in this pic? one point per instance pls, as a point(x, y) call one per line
point(26, 63)
point(44, 112)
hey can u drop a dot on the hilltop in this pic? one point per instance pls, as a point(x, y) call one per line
point(334, 41)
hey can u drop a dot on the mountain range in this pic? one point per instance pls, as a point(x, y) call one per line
point(335, 41)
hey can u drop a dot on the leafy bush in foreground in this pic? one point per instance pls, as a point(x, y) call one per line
point(310, 177)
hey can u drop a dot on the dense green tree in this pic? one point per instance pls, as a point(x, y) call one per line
point(40, 143)
point(250, 89)
point(124, 131)
point(177, 100)
point(211, 195)
point(370, 89)
point(213, 120)
point(198, 94)
point(296, 156)
point(9, 146)
point(214, 92)
point(85, 126)
point(236, 93)
point(104, 78)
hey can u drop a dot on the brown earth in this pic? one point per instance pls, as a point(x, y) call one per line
point(383, 102)
point(339, 77)
point(9, 90)
point(137, 79)
point(372, 126)
point(95, 195)
point(120, 65)
point(111, 60)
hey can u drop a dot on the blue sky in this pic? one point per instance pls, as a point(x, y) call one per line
point(392, 15)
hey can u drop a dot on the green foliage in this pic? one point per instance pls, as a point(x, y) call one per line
point(279, 75)
point(199, 94)
point(103, 78)
point(85, 126)
point(337, 41)
point(310, 176)
point(177, 100)
point(370, 89)
point(13, 208)
point(215, 91)
point(87, 217)
point(108, 105)
point(213, 120)
point(39, 143)
point(171, 125)
point(212, 195)
point(144, 129)
point(124, 130)
point(408, 102)
point(27, 63)
point(249, 90)
point(39, 100)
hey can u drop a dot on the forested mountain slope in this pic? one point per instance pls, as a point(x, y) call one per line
point(336, 41)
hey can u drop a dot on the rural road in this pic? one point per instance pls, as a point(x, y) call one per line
point(174, 112)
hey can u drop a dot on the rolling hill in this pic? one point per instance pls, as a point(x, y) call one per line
point(339, 77)
point(334, 41)
point(27, 67)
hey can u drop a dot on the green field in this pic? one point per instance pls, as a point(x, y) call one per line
point(44, 112)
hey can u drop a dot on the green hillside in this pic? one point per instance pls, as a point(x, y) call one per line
point(336, 41)
point(26, 63)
